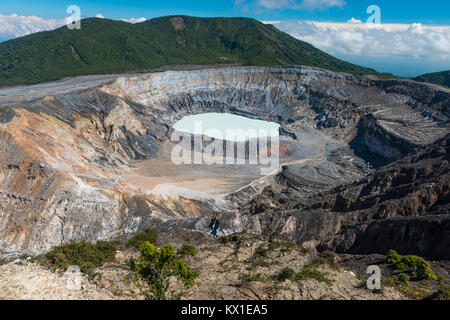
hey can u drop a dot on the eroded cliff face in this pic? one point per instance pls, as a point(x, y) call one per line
point(62, 160)
point(404, 206)
point(66, 155)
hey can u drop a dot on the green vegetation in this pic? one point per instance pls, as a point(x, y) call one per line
point(286, 274)
point(157, 266)
point(85, 255)
point(283, 245)
point(305, 273)
point(404, 278)
point(312, 274)
point(442, 78)
point(417, 266)
point(249, 277)
point(442, 294)
point(228, 239)
point(105, 46)
point(131, 263)
point(413, 276)
point(188, 251)
point(390, 282)
point(149, 235)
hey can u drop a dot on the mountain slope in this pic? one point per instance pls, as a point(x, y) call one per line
point(107, 46)
point(442, 78)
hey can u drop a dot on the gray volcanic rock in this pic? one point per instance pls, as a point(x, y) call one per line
point(66, 154)
point(403, 206)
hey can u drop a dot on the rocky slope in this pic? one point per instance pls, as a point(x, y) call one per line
point(23, 280)
point(225, 271)
point(66, 155)
point(404, 206)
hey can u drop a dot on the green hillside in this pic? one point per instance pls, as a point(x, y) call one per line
point(442, 78)
point(107, 46)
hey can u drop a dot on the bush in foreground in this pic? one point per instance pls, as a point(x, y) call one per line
point(418, 266)
point(404, 278)
point(156, 267)
point(85, 255)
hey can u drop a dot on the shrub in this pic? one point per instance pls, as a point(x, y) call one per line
point(149, 235)
point(130, 263)
point(388, 282)
point(418, 266)
point(285, 274)
point(85, 255)
point(157, 266)
point(228, 239)
point(443, 294)
point(261, 252)
point(248, 277)
point(312, 274)
point(285, 246)
point(188, 251)
point(261, 263)
point(402, 277)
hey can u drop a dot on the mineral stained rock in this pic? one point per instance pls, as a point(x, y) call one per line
point(361, 157)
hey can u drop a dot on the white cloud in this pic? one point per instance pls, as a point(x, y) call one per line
point(404, 49)
point(355, 38)
point(133, 20)
point(99, 15)
point(246, 5)
point(13, 26)
point(353, 20)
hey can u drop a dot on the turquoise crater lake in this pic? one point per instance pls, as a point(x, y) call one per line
point(227, 126)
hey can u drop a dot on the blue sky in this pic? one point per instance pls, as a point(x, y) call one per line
point(436, 12)
point(414, 38)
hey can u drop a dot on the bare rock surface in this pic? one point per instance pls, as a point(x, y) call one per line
point(23, 280)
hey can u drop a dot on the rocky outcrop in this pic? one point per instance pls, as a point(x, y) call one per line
point(65, 154)
point(403, 206)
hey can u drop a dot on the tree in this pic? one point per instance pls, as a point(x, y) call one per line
point(157, 266)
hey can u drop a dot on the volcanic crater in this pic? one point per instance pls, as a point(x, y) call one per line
point(89, 159)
